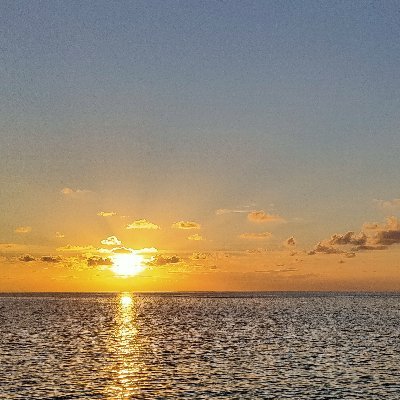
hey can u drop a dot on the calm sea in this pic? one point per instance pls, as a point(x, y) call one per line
point(200, 346)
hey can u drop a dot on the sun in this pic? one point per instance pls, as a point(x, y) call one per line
point(126, 265)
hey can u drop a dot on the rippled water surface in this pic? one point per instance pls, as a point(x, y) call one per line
point(182, 346)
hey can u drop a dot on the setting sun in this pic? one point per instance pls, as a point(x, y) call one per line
point(125, 265)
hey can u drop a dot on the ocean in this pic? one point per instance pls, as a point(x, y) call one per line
point(200, 346)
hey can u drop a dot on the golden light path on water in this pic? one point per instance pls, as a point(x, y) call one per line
point(128, 371)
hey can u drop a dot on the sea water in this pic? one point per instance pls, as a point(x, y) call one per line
point(200, 346)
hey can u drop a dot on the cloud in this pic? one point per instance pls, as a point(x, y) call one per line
point(71, 248)
point(26, 258)
point(387, 204)
point(59, 235)
point(256, 236)
point(165, 260)
point(262, 217)
point(200, 256)
point(142, 224)
point(196, 237)
point(386, 234)
point(222, 211)
point(122, 250)
point(368, 247)
point(106, 214)
point(326, 249)
point(186, 225)
point(97, 261)
point(51, 259)
point(376, 237)
point(290, 241)
point(23, 229)
point(75, 193)
point(111, 241)
point(348, 238)
point(387, 238)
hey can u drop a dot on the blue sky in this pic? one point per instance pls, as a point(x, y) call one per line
point(174, 109)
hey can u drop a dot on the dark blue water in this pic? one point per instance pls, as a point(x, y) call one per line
point(200, 346)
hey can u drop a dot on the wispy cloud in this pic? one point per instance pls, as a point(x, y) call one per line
point(142, 224)
point(393, 204)
point(75, 193)
point(222, 211)
point(256, 236)
point(75, 248)
point(23, 229)
point(196, 237)
point(106, 214)
point(186, 225)
point(263, 217)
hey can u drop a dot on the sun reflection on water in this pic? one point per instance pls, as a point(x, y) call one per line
point(127, 368)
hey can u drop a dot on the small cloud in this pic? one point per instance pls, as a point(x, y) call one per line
point(262, 217)
point(98, 261)
point(23, 229)
point(186, 225)
point(106, 214)
point(26, 258)
point(393, 204)
point(75, 193)
point(142, 224)
point(200, 256)
point(196, 237)
point(256, 236)
point(290, 241)
point(164, 260)
point(59, 235)
point(111, 241)
point(51, 259)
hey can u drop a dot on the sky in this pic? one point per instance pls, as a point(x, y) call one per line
point(199, 145)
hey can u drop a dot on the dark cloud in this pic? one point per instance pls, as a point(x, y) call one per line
point(96, 261)
point(26, 258)
point(165, 260)
point(323, 248)
point(369, 247)
point(290, 241)
point(348, 238)
point(387, 238)
point(51, 259)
